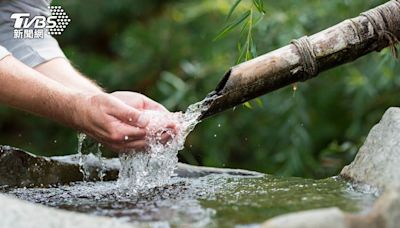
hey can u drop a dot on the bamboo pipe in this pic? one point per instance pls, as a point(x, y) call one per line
point(305, 58)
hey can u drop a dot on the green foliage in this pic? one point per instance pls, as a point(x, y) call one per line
point(246, 48)
point(248, 20)
point(165, 49)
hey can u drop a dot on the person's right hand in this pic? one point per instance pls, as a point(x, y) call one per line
point(111, 122)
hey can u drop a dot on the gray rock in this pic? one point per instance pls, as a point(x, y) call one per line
point(22, 169)
point(20, 214)
point(192, 171)
point(385, 214)
point(378, 160)
point(19, 168)
point(327, 218)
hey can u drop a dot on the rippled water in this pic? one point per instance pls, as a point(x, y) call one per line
point(215, 200)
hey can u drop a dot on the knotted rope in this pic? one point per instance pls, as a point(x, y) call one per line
point(307, 55)
point(385, 20)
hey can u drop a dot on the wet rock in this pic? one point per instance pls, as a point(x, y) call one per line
point(385, 214)
point(19, 168)
point(191, 171)
point(20, 214)
point(22, 169)
point(378, 161)
point(327, 218)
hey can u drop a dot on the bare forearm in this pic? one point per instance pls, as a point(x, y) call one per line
point(62, 71)
point(28, 90)
point(105, 117)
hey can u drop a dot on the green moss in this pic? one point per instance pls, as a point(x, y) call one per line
point(254, 200)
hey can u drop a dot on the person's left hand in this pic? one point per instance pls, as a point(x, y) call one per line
point(138, 101)
point(143, 103)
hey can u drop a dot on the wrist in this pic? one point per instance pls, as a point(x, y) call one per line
point(82, 105)
point(78, 105)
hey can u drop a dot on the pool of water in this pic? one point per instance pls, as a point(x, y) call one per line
point(215, 200)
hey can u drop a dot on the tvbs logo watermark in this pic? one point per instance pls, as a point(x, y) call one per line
point(26, 27)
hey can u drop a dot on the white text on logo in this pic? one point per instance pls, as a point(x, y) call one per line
point(22, 20)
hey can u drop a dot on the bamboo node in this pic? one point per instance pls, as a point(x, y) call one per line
point(307, 55)
point(384, 20)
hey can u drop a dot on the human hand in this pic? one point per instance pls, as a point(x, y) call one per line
point(143, 103)
point(138, 101)
point(112, 122)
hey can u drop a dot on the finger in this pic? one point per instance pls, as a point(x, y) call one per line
point(165, 137)
point(131, 116)
point(138, 145)
point(130, 133)
point(134, 146)
point(150, 104)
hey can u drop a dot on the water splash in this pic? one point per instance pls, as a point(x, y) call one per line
point(89, 153)
point(155, 166)
point(82, 158)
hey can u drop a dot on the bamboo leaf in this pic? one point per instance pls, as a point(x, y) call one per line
point(259, 19)
point(259, 4)
point(232, 25)
point(242, 30)
point(233, 8)
point(248, 105)
point(253, 49)
point(239, 47)
point(259, 102)
point(248, 55)
point(242, 53)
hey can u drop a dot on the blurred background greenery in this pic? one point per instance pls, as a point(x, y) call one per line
point(165, 49)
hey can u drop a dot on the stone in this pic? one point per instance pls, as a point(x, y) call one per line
point(378, 161)
point(19, 168)
point(327, 218)
point(384, 214)
point(192, 171)
point(20, 214)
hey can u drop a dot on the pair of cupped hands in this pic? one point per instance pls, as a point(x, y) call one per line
point(118, 120)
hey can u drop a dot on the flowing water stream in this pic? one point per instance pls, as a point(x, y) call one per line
point(155, 165)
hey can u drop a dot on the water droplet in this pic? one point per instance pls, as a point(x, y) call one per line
point(215, 135)
point(219, 125)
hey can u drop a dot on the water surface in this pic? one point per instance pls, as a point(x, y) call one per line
point(215, 200)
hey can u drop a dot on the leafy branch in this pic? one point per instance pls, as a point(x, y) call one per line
point(247, 20)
